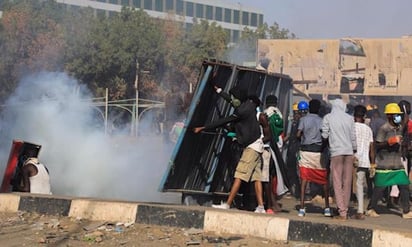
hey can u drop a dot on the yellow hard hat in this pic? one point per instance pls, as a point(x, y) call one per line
point(392, 108)
point(295, 106)
point(371, 107)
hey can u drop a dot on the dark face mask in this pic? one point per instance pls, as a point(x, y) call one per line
point(239, 94)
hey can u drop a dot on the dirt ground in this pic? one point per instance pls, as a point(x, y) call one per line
point(31, 229)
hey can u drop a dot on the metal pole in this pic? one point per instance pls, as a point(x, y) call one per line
point(281, 64)
point(133, 120)
point(106, 110)
point(136, 86)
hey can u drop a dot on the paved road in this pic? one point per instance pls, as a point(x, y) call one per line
point(32, 229)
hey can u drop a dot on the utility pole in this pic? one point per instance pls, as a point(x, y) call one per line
point(106, 110)
point(281, 64)
point(136, 86)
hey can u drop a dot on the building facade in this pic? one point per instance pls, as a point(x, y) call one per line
point(232, 17)
point(347, 66)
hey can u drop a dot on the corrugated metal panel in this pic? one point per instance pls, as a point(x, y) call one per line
point(206, 162)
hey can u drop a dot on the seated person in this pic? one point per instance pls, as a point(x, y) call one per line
point(35, 177)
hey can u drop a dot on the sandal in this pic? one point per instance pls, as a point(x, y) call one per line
point(359, 216)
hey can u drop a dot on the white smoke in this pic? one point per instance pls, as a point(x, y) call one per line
point(54, 111)
point(241, 54)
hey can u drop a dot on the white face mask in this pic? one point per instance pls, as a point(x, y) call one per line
point(367, 121)
point(397, 119)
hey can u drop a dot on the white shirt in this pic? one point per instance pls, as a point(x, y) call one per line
point(257, 145)
point(39, 183)
point(364, 137)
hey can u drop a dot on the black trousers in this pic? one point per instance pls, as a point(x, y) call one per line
point(404, 197)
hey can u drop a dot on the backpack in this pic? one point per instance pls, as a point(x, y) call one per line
point(276, 125)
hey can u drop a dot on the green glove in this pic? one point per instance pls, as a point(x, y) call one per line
point(231, 134)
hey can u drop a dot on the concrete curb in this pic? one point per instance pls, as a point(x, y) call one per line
point(213, 220)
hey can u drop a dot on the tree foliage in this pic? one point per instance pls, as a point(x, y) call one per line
point(102, 52)
point(31, 41)
point(205, 40)
point(245, 49)
point(111, 48)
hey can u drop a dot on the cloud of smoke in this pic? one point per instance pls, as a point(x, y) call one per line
point(53, 110)
point(243, 53)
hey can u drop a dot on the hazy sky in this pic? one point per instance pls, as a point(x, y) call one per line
point(319, 19)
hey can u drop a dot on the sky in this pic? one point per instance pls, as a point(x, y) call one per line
point(323, 19)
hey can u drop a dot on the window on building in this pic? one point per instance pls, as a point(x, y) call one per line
point(189, 26)
point(260, 21)
point(159, 5)
point(179, 7)
point(125, 2)
point(253, 19)
point(199, 10)
point(148, 4)
point(169, 5)
point(209, 12)
point(218, 14)
point(103, 1)
point(112, 13)
point(235, 37)
point(227, 31)
point(113, 1)
point(245, 18)
point(236, 16)
point(100, 13)
point(228, 15)
point(137, 3)
point(75, 8)
point(189, 9)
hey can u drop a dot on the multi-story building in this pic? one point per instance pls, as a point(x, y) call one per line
point(232, 17)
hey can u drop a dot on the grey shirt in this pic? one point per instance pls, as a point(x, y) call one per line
point(384, 158)
point(339, 128)
point(375, 124)
point(310, 125)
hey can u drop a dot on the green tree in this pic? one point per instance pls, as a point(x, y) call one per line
point(112, 48)
point(31, 40)
point(185, 49)
point(204, 41)
point(102, 52)
point(275, 32)
point(245, 49)
point(175, 71)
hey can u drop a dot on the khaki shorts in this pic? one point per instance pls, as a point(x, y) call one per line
point(249, 166)
point(266, 156)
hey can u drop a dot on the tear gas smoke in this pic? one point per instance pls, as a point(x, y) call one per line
point(243, 53)
point(53, 110)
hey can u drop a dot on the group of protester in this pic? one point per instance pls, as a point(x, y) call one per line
point(331, 147)
point(359, 148)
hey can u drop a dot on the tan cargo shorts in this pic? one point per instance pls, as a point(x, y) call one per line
point(249, 166)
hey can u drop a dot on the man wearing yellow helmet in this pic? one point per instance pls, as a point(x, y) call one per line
point(390, 170)
point(295, 107)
